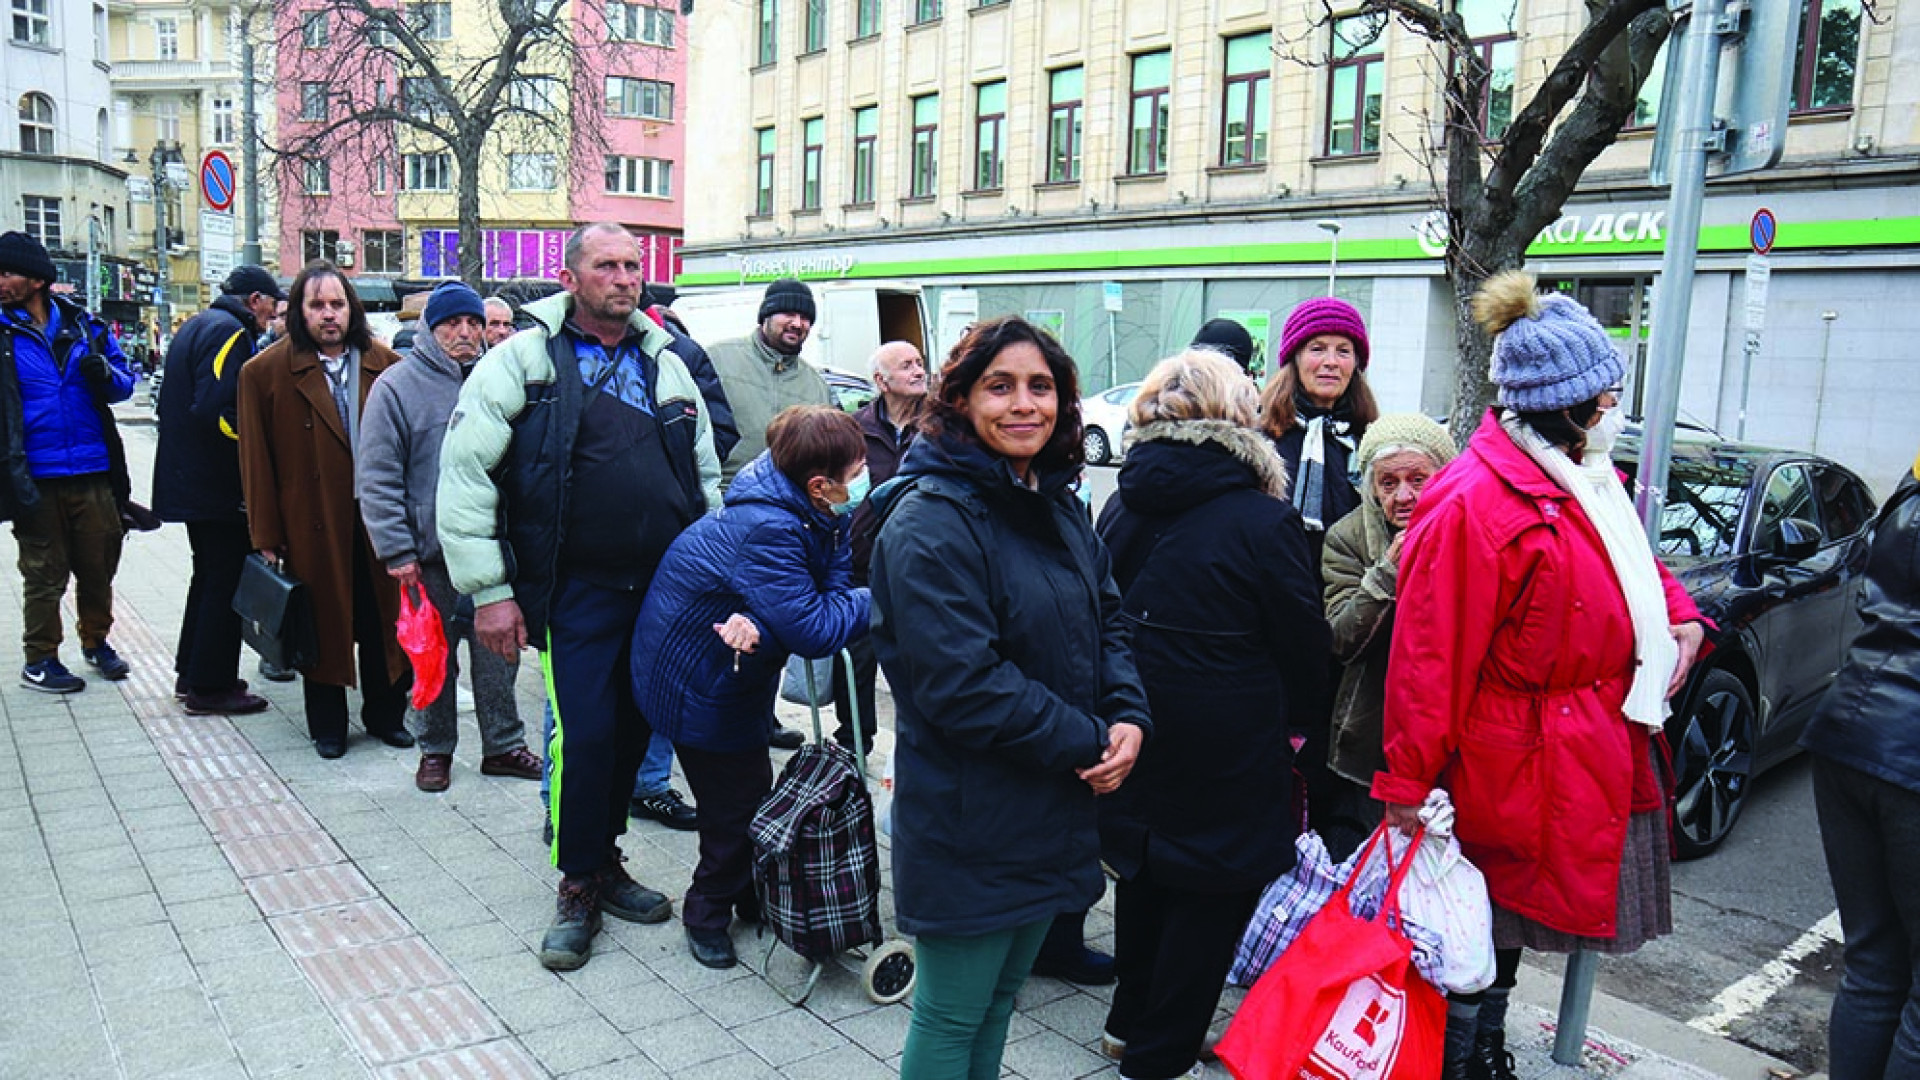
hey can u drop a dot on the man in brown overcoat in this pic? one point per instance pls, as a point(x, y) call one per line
point(299, 414)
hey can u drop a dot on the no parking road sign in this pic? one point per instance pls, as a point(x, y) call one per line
point(216, 180)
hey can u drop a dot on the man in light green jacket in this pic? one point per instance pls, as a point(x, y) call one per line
point(762, 373)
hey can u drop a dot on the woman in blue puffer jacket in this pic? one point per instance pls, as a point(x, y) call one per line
point(768, 574)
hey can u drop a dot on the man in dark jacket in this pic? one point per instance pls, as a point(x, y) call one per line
point(1865, 740)
point(577, 453)
point(60, 371)
point(196, 481)
point(888, 423)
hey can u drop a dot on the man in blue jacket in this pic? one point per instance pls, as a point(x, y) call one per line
point(66, 472)
point(196, 480)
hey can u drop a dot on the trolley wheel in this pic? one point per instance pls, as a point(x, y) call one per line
point(888, 975)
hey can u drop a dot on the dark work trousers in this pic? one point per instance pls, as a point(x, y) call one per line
point(599, 735)
point(208, 657)
point(865, 671)
point(1172, 950)
point(728, 788)
point(74, 532)
point(383, 702)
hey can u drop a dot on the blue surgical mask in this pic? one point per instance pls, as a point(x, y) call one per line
point(857, 489)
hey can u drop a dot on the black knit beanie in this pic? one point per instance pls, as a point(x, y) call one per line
point(22, 254)
point(787, 296)
point(1228, 338)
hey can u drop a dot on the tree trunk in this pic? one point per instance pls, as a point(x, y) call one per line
point(467, 160)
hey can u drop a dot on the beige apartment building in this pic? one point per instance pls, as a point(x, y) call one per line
point(1185, 159)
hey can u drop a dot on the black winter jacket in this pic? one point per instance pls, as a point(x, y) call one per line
point(1870, 717)
point(1231, 643)
point(196, 467)
point(999, 628)
point(719, 414)
point(885, 447)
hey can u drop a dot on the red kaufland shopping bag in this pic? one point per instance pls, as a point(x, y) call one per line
point(1344, 1001)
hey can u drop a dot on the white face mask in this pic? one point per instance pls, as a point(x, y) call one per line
point(1601, 436)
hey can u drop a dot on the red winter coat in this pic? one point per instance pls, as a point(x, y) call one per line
point(1512, 654)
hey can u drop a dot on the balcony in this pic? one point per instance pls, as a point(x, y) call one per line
point(174, 71)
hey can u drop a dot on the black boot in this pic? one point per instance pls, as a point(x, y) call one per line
point(1490, 1060)
point(1463, 1020)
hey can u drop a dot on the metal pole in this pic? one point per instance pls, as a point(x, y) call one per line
point(1746, 382)
point(1820, 395)
point(1666, 355)
point(1333, 262)
point(93, 263)
point(163, 272)
point(249, 143)
point(1113, 352)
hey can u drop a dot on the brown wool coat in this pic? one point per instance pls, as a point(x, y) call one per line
point(297, 472)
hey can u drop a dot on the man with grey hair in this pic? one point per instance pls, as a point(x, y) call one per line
point(578, 451)
point(499, 321)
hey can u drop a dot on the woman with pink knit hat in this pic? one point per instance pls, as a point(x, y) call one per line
point(1316, 407)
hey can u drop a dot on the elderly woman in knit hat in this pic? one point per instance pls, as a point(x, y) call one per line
point(1538, 643)
point(1317, 407)
point(1361, 566)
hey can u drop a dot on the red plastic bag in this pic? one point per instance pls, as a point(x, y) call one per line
point(1344, 1001)
point(425, 643)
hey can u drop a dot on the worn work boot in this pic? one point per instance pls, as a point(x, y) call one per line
point(569, 941)
point(624, 898)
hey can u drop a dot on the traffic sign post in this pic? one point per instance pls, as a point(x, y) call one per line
point(216, 180)
point(216, 246)
point(1761, 232)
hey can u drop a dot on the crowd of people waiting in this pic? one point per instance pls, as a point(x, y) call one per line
point(1287, 584)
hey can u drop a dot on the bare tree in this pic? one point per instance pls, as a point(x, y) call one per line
point(1498, 195)
point(396, 79)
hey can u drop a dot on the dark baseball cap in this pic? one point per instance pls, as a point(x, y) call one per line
point(247, 279)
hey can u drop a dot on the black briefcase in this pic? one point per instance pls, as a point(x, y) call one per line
point(276, 614)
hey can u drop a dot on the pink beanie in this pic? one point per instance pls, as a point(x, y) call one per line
point(1323, 315)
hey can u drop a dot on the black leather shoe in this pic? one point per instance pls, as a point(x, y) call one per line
point(568, 943)
point(330, 748)
point(398, 738)
point(711, 948)
point(667, 808)
point(786, 739)
point(1083, 967)
point(624, 898)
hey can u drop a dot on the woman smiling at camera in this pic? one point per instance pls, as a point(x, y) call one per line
point(999, 629)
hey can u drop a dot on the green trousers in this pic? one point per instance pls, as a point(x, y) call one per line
point(74, 532)
point(963, 1000)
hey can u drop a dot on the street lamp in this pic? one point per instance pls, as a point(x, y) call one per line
point(1332, 228)
point(164, 153)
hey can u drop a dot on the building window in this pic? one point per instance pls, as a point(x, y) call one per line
point(1829, 49)
point(432, 20)
point(813, 134)
point(318, 244)
point(925, 178)
point(100, 135)
point(989, 135)
point(380, 180)
point(763, 174)
point(42, 214)
point(418, 97)
point(1247, 100)
point(313, 30)
point(1147, 117)
point(647, 98)
point(926, 11)
point(639, 176)
point(536, 94)
point(640, 22)
point(167, 118)
point(313, 101)
point(768, 41)
point(316, 178)
point(816, 37)
point(225, 127)
point(427, 172)
point(36, 124)
point(1490, 24)
point(166, 38)
point(866, 136)
point(31, 25)
point(533, 172)
point(383, 251)
point(100, 34)
point(1065, 91)
point(866, 18)
point(1354, 82)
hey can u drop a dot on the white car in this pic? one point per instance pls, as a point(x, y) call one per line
point(1104, 421)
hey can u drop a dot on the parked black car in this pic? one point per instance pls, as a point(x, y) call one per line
point(1769, 542)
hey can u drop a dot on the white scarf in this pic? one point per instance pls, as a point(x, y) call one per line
point(1595, 486)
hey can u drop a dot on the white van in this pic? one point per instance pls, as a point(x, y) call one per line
point(852, 319)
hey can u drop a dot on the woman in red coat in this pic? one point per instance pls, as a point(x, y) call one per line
point(1538, 640)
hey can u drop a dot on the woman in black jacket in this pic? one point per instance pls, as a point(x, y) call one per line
point(1865, 739)
point(1317, 407)
point(1229, 637)
point(1016, 704)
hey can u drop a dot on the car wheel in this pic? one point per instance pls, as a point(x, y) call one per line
point(1712, 763)
point(1099, 450)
